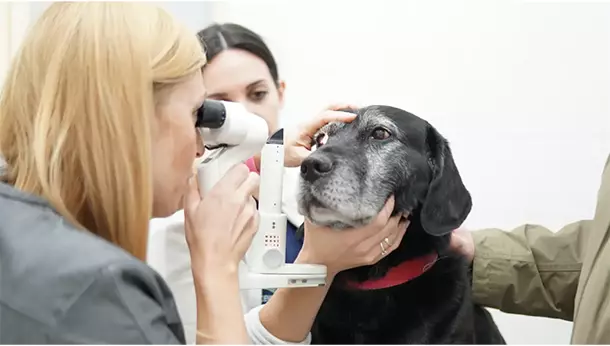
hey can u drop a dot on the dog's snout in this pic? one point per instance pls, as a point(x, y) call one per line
point(315, 167)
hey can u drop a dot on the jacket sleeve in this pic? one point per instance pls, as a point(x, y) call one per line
point(529, 270)
point(259, 335)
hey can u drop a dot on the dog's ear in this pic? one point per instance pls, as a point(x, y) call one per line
point(448, 202)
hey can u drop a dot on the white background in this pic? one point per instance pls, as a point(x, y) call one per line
point(520, 88)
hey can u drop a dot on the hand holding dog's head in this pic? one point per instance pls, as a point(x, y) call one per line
point(384, 151)
point(298, 144)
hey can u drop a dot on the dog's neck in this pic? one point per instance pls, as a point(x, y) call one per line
point(400, 274)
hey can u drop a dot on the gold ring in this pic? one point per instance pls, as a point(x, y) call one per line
point(383, 252)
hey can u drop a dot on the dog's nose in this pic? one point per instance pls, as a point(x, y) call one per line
point(315, 167)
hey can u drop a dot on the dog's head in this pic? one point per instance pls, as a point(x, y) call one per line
point(385, 151)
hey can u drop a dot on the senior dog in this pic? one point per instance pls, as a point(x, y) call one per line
point(420, 293)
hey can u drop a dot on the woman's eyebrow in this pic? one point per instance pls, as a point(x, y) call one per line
point(255, 83)
point(217, 95)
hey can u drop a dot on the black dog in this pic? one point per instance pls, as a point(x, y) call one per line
point(420, 293)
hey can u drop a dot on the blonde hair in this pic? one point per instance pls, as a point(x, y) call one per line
point(76, 111)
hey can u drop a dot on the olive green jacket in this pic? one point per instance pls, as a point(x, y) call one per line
point(534, 271)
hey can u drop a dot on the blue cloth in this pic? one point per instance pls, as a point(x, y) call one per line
point(293, 247)
point(293, 244)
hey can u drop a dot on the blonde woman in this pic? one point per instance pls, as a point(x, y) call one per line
point(97, 133)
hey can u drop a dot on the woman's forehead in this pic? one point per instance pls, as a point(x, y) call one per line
point(234, 69)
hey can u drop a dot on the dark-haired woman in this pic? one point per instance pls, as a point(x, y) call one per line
point(241, 68)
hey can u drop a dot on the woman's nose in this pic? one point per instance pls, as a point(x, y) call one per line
point(200, 145)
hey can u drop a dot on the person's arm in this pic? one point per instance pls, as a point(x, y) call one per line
point(218, 303)
point(289, 315)
point(206, 297)
point(529, 270)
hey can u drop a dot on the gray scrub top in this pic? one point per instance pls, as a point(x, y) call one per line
point(60, 285)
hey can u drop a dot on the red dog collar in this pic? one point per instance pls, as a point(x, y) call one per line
point(400, 274)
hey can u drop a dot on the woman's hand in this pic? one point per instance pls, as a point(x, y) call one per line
point(298, 144)
point(219, 229)
point(220, 225)
point(345, 249)
point(462, 243)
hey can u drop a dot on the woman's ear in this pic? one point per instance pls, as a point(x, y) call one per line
point(281, 87)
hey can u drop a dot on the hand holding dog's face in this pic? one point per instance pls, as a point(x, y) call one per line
point(356, 247)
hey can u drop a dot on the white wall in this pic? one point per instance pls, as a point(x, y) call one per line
point(522, 90)
point(16, 17)
point(195, 14)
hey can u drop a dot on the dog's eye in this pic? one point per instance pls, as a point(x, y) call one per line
point(320, 140)
point(380, 133)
